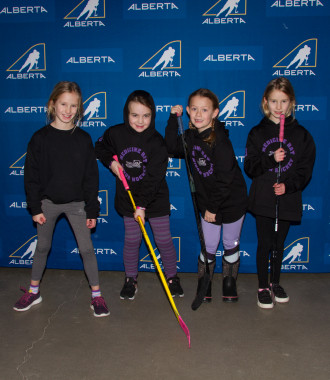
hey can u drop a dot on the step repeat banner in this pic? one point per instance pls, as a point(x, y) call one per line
point(112, 47)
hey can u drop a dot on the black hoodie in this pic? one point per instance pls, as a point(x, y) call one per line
point(144, 158)
point(296, 169)
point(220, 186)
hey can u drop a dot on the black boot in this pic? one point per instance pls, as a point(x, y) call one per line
point(201, 271)
point(229, 290)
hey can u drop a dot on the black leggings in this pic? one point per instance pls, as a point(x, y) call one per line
point(266, 242)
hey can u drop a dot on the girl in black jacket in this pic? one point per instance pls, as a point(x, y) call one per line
point(220, 187)
point(61, 177)
point(143, 158)
point(263, 155)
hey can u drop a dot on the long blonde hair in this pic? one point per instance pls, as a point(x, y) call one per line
point(281, 84)
point(59, 89)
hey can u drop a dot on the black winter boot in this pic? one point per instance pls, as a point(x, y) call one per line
point(201, 271)
point(229, 272)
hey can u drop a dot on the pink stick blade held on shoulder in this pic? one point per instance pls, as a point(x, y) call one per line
point(282, 121)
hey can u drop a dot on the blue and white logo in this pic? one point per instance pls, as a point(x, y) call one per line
point(137, 9)
point(230, 58)
point(300, 61)
point(92, 60)
point(164, 63)
point(226, 12)
point(23, 110)
point(311, 108)
point(232, 109)
point(30, 65)
point(88, 13)
point(23, 11)
point(296, 255)
point(297, 8)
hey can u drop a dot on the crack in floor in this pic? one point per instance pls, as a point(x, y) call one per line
point(27, 355)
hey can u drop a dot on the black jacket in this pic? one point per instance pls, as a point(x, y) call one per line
point(220, 186)
point(61, 166)
point(296, 169)
point(144, 158)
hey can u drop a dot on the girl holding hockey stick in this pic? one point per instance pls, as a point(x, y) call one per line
point(263, 156)
point(61, 177)
point(220, 187)
point(143, 158)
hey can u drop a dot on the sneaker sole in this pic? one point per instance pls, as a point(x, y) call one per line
point(230, 299)
point(99, 315)
point(207, 299)
point(282, 300)
point(265, 305)
point(129, 298)
point(177, 295)
point(35, 302)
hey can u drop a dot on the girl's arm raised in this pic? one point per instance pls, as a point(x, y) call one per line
point(172, 139)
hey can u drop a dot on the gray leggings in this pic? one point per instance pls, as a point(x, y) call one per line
point(77, 217)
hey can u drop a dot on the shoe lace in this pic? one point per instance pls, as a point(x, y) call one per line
point(26, 296)
point(130, 282)
point(264, 295)
point(99, 301)
point(278, 289)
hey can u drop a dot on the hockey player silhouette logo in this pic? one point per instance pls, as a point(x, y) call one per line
point(230, 6)
point(31, 61)
point(90, 8)
point(233, 106)
point(167, 58)
point(302, 56)
point(230, 108)
point(86, 10)
point(27, 249)
point(30, 250)
point(96, 106)
point(297, 252)
point(225, 8)
point(93, 108)
point(34, 59)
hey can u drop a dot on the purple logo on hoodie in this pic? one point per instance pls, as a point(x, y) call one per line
point(134, 161)
point(201, 161)
point(287, 146)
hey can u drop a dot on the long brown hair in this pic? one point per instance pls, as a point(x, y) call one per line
point(206, 93)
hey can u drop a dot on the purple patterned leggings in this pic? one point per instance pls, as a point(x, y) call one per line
point(161, 230)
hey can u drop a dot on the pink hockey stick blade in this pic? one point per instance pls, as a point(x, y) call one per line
point(185, 329)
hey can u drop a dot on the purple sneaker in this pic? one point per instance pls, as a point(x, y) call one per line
point(99, 306)
point(27, 301)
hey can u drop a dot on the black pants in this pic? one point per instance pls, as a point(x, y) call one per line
point(266, 244)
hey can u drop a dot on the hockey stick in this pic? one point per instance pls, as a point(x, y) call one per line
point(153, 255)
point(274, 251)
point(205, 280)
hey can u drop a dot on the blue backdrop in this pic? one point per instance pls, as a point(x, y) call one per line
point(112, 47)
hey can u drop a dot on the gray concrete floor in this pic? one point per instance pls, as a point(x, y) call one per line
point(141, 339)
